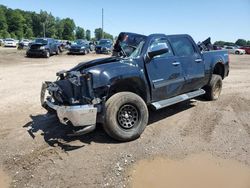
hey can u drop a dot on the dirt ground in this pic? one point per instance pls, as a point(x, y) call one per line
point(35, 151)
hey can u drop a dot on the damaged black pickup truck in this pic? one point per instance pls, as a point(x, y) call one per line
point(159, 71)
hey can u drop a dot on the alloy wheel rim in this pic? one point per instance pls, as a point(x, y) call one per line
point(128, 116)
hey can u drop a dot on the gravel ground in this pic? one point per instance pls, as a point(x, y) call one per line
point(36, 153)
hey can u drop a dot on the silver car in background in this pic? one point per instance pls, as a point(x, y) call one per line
point(234, 50)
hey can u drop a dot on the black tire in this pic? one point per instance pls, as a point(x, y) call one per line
point(213, 89)
point(57, 51)
point(237, 52)
point(47, 54)
point(126, 116)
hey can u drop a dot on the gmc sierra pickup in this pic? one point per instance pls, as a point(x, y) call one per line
point(159, 71)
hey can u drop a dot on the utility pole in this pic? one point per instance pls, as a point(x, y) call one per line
point(102, 24)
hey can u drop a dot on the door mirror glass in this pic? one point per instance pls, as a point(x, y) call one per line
point(159, 49)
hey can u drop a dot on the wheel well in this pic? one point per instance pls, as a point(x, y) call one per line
point(219, 70)
point(131, 85)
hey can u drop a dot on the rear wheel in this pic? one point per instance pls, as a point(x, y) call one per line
point(126, 116)
point(237, 52)
point(213, 89)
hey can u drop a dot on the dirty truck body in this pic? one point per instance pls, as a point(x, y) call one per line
point(117, 91)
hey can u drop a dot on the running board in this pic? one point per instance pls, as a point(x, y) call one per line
point(179, 98)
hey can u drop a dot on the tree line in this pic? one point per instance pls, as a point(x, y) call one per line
point(18, 24)
point(239, 42)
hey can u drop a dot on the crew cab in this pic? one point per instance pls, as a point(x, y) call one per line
point(162, 70)
point(43, 47)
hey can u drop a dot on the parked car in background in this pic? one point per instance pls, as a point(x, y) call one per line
point(80, 46)
point(24, 43)
point(246, 48)
point(10, 43)
point(104, 46)
point(44, 47)
point(234, 50)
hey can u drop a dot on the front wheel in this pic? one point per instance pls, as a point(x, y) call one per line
point(126, 116)
point(237, 52)
point(47, 54)
point(213, 89)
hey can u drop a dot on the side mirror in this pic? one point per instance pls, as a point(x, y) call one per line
point(158, 50)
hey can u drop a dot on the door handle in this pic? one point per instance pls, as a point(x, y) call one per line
point(175, 63)
point(198, 60)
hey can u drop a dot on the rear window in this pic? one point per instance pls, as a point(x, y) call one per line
point(182, 46)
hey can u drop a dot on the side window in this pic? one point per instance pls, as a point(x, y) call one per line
point(182, 46)
point(158, 42)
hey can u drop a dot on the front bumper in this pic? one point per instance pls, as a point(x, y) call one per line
point(77, 115)
point(77, 51)
point(103, 50)
point(37, 52)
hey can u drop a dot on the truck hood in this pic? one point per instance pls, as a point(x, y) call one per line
point(85, 65)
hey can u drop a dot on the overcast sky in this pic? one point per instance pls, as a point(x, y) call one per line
point(220, 19)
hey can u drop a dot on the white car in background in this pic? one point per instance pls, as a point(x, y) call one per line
point(235, 50)
point(25, 42)
point(10, 43)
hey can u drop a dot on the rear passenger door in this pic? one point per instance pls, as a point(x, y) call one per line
point(191, 61)
point(165, 72)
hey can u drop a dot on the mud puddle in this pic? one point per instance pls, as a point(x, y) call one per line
point(196, 171)
point(4, 180)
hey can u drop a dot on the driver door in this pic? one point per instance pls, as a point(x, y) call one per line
point(165, 73)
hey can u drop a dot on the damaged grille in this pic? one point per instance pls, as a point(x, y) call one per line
point(35, 46)
point(71, 90)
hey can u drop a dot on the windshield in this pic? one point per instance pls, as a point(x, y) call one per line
point(80, 42)
point(9, 40)
point(137, 51)
point(103, 42)
point(42, 41)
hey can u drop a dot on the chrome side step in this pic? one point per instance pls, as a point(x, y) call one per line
point(179, 98)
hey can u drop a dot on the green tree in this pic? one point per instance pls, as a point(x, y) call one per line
point(80, 33)
point(48, 21)
point(37, 26)
point(59, 28)
point(68, 29)
point(248, 42)
point(219, 43)
point(4, 34)
point(15, 22)
point(98, 33)
point(28, 33)
point(3, 21)
point(108, 36)
point(88, 34)
point(241, 42)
